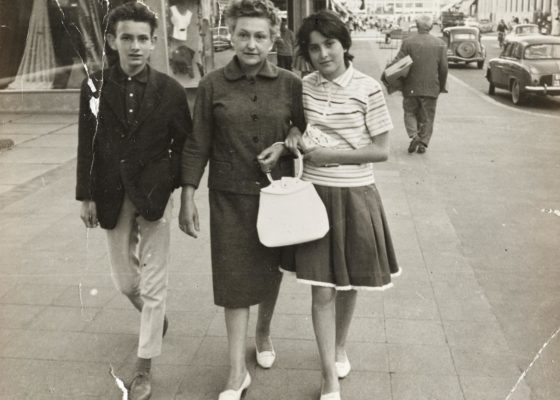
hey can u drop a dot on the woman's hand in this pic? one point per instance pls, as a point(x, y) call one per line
point(293, 141)
point(269, 157)
point(188, 214)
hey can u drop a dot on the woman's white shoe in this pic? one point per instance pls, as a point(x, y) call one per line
point(343, 368)
point(265, 359)
point(331, 396)
point(236, 394)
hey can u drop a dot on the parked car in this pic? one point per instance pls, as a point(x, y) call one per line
point(221, 38)
point(412, 29)
point(464, 45)
point(485, 26)
point(522, 30)
point(527, 65)
point(452, 18)
point(472, 22)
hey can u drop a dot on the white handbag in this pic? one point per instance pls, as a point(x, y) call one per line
point(290, 211)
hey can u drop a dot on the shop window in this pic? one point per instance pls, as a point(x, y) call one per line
point(54, 44)
point(49, 44)
point(188, 23)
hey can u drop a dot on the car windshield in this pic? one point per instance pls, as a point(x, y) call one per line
point(525, 30)
point(547, 51)
point(464, 36)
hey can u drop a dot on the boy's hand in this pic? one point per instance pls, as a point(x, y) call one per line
point(88, 214)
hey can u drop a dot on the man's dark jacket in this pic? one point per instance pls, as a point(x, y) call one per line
point(428, 74)
point(142, 160)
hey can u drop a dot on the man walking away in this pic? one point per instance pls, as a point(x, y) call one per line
point(285, 46)
point(133, 123)
point(425, 81)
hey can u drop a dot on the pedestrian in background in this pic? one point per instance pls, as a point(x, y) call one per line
point(502, 29)
point(300, 65)
point(241, 112)
point(348, 107)
point(425, 81)
point(285, 46)
point(556, 26)
point(132, 126)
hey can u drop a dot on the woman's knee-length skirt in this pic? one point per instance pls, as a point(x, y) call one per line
point(357, 252)
point(244, 272)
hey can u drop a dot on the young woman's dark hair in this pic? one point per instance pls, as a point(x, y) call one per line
point(330, 26)
point(131, 11)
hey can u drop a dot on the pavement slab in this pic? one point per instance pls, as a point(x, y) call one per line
point(484, 388)
point(38, 155)
point(14, 129)
point(405, 331)
point(53, 140)
point(16, 174)
point(53, 379)
point(6, 188)
point(17, 139)
point(420, 359)
point(425, 387)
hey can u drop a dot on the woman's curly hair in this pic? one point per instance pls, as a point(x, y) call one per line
point(253, 8)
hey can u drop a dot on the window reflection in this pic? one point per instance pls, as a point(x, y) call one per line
point(48, 44)
point(54, 44)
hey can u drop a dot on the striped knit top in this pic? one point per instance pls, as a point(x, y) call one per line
point(352, 109)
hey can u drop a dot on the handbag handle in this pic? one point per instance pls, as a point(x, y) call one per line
point(299, 162)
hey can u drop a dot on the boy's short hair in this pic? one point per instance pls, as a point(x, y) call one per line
point(131, 11)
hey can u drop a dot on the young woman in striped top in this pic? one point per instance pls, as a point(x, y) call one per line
point(348, 107)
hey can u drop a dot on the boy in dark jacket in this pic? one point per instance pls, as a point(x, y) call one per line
point(133, 123)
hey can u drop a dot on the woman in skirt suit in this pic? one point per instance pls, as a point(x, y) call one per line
point(241, 113)
point(348, 109)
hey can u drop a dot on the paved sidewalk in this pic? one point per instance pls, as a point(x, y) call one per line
point(434, 336)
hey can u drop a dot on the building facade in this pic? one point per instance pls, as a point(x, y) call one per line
point(405, 7)
point(533, 10)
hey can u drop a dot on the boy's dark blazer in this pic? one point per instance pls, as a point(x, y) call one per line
point(142, 160)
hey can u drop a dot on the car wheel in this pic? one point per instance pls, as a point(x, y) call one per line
point(466, 50)
point(480, 64)
point(516, 96)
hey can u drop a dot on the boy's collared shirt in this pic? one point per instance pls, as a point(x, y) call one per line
point(134, 86)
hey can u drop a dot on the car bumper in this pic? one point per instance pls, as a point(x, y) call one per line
point(551, 90)
point(461, 59)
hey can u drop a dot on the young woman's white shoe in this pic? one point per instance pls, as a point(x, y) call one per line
point(343, 367)
point(236, 394)
point(265, 359)
point(331, 396)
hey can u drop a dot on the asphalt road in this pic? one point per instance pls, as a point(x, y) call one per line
point(475, 78)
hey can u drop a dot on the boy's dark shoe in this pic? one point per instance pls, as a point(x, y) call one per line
point(140, 387)
point(413, 144)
